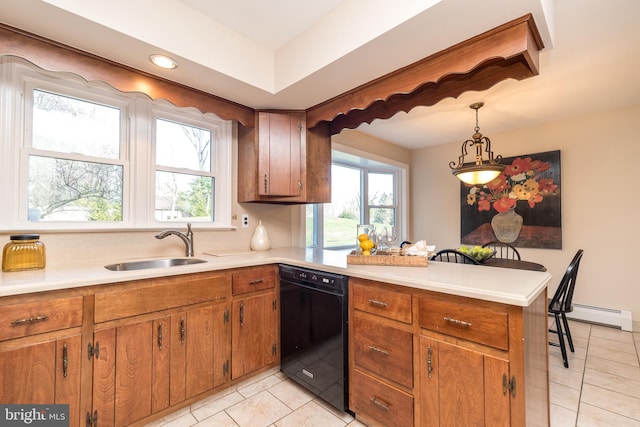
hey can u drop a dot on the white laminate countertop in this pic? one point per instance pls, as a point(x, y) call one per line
point(509, 286)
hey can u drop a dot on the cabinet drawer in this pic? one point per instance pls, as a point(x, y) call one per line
point(385, 350)
point(160, 295)
point(386, 303)
point(37, 317)
point(253, 279)
point(466, 320)
point(379, 402)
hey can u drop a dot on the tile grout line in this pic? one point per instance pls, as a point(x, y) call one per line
point(584, 368)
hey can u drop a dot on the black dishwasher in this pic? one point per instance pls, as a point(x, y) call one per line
point(313, 328)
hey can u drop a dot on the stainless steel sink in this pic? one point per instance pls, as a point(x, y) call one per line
point(152, 263)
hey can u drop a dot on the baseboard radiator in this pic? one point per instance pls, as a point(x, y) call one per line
point(603, 316)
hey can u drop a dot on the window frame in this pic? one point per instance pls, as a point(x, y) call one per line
point(366, 163)
point(19, 78)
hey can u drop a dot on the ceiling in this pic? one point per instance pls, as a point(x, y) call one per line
point(279, 54)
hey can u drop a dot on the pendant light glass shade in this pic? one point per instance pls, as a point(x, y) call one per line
point(481, 171)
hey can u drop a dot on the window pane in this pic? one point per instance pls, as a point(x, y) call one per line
point(182, 197)
point(66, 190)
point(380, 189)
point(342, 215)
point(382, 216)
point(310, 227)
point(70, 125)
point(183, 146)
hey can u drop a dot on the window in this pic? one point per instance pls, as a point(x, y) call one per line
point(363, 191)
point(184, 188)
point(75, 167)
point(82, 155)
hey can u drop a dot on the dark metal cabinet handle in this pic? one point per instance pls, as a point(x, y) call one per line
point(242, 314)
point(429, 365)
point(40, 318)
point(256, 281)
point(160, 336)
point(183, 331)
point(265, 182)
point(65, 360)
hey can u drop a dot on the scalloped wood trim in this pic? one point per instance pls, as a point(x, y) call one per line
point(508, 51)
point(54, 56)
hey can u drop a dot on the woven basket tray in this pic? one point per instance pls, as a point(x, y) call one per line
point(397, 260)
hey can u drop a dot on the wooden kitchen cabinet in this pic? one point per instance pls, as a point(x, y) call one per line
point(168, 348)
point(40, 353)
point(381, 355)
point(255, 320)
point(281, 161)
point(471, 362)
point(464, 346)
point(461, 386)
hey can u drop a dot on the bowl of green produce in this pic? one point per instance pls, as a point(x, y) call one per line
point(477, 252)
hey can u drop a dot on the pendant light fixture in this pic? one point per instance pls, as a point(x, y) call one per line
point(481, 171)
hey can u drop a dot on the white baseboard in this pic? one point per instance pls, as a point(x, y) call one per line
point(603, 316)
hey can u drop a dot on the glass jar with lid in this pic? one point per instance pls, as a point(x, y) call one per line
point(23, 252)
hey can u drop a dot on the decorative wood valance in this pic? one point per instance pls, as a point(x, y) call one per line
point(508, 51)
point(54, 56)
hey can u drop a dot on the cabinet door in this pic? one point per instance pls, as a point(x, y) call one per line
point(200, 335)
point(461, 387)
point(280, 137)
point(193, 352)
point(134, 350)
point(43, 373)
point(161, 369)
point(253, 334)
point(122, 373)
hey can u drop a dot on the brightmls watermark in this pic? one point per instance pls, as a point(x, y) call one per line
point(34, 415)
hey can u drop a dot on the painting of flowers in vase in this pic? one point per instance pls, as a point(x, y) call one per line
point(521, 206)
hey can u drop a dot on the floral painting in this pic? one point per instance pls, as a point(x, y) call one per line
point(521, 206)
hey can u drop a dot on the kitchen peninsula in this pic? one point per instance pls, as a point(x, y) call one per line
point(480, 329)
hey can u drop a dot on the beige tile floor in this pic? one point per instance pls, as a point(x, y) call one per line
point(600, 388)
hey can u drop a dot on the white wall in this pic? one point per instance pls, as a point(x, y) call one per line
point(600, 201)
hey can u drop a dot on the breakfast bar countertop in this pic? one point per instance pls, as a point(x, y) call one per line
point(503, 285)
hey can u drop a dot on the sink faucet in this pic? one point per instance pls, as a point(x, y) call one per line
point(186, 238)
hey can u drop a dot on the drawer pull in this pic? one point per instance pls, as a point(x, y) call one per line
point(456, 321)
point(379, 350)
point(40, 318)
point(256, 282)
point(378, 303)
point(384, 405)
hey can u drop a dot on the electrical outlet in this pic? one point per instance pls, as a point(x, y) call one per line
point(245, 220)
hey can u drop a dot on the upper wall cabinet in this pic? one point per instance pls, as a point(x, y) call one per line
point(280, 160)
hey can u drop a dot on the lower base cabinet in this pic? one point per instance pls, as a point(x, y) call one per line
point(379, 401)
point(255, 320)
point(462, 387)
point(473, 362)
point(43, 373)
point(152, 365)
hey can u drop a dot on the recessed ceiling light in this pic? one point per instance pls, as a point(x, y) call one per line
point(163, 61)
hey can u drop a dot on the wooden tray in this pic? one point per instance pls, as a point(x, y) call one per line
point(395, 260)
